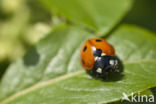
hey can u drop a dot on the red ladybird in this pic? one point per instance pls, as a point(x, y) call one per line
point(98, 57)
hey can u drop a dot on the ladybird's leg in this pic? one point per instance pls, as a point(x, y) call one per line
point(104, 76)
point(92, 73)
point(108, 68)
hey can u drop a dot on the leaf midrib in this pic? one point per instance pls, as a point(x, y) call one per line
point(63, 77)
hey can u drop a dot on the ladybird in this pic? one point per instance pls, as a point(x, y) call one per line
point(98, 57)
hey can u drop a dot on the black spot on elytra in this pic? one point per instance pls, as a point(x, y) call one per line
point(97, 52)
point(84, 49)
point(98, 40)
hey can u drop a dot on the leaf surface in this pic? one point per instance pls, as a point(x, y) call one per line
point(55, 55)
point(99, 16)
point(134, 46)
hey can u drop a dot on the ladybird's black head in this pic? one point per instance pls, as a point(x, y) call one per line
point(107, 63)
point(104, 65)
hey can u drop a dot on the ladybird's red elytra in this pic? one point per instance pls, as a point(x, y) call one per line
point(98, 56)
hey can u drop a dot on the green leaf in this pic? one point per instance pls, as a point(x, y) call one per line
point(142, 14)
point(55, 55)
point(98, 15)
point(78, 88)
point(59, 54)
point(133, 43)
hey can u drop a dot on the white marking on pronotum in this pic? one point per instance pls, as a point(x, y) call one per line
point(96, 58)
point(103, 54)
point(99, 58)
point(116, 62)
point(99, 70)
point(111, 62)
point(93, 48)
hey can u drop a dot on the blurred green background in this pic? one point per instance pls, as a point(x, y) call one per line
point(24, 22)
